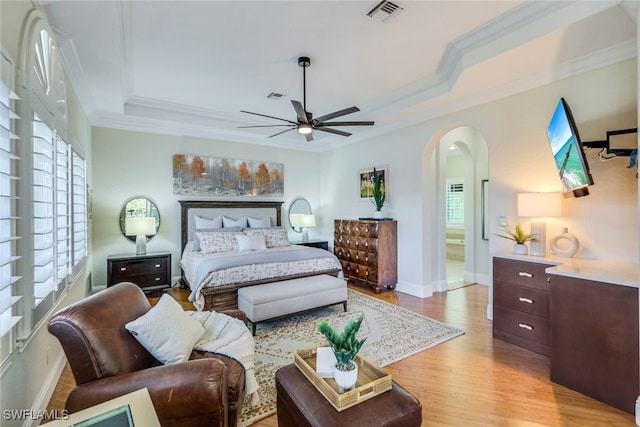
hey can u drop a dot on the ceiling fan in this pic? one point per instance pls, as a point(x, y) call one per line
point(305, 123)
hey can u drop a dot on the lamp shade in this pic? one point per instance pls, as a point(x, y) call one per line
point(142, 226)
point(303, 220)
point(539, 204)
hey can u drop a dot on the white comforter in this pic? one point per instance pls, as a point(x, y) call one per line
point(240, 266)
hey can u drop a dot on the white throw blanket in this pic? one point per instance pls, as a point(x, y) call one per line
point(230, 337)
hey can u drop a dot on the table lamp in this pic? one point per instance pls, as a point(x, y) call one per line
point(539, 205)
point(140, 227)
point(303, 221)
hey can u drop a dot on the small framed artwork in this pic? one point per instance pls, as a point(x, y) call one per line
point(365, 181)
point(485, 209)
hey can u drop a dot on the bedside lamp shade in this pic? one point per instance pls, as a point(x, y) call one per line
point(141, 228)
point(539, 205)
point(303, 221)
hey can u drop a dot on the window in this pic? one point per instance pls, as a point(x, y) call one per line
point(8, 235)
point(455, 202)
point(53, 185)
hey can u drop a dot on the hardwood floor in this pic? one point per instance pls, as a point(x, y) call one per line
point(472, 380)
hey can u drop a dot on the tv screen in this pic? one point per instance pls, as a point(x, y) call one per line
point(568, 152)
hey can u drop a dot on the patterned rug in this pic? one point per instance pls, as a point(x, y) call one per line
point(392, 332)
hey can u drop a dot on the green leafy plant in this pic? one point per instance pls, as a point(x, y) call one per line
point(344, 344)
point(517, 235)
point(378, 196)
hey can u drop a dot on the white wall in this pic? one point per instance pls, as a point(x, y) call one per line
point(128, 164)
point(520, 160)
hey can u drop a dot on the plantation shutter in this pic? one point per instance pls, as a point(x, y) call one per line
point(8, 235)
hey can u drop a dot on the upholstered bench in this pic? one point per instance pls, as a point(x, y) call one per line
point(270, 301)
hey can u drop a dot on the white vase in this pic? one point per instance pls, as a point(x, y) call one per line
point(377, 214)
point(520, 249)
point(346, 380)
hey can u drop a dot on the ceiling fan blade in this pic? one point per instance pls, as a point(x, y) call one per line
point(336, 131)
point(336, 114)
point(361, 123)
point(309, 137)
point(270, 117)
point(302, 115)
point(264, 126)
point(279, 133)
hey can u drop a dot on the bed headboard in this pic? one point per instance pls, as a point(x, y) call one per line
point(231, 209)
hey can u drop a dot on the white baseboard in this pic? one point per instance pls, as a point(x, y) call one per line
point(47, 389)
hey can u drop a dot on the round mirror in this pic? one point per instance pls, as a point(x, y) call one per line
point(139, 207)
point(298, 206)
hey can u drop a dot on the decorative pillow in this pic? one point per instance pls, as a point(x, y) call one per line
point(274, 237)
point(208, 223)
point(222, 241)
point(260, 222)
point(196, 240)
point(166, 331)
point(250, 243)
point(229, 222)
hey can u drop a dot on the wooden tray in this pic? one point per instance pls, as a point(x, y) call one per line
point(372, 380)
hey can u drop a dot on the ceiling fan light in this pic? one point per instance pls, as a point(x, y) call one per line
point(305, 128)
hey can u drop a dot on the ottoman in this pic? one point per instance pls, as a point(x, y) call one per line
point(273, 300)
point(301, 404)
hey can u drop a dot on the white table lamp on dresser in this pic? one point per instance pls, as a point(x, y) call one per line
point(538, 206)
point(141, 227)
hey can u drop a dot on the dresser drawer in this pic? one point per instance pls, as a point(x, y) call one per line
point(523, 325)
point(521, 273)
point(142, 266)
point(142, 280)
point(519, 298)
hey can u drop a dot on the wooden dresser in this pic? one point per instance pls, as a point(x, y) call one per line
point(152, 272)
point(521, 304)
point(368, 251)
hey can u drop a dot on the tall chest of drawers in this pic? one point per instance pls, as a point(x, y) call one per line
point(368, 251)
point(521, 304)
point(152, 272)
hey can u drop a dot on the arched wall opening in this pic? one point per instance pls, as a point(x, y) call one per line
point(474, 148)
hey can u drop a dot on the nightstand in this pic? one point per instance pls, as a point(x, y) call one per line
point(322, 244)
point(152, 271)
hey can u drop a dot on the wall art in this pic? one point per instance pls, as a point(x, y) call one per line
point(219, 177)
point(365, 181)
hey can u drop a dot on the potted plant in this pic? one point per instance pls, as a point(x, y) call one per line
point(519, 237)
point(378, 196)
point(345, 346)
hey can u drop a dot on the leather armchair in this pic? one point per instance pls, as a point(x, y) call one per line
point(107, 362)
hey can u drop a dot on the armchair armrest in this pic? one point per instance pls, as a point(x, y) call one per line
point(238, 314)
point(195, 390)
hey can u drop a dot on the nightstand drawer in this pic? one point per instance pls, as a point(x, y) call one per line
point(520, 298)
point(143, 270)
point(527, 326)
point(146, 266)
point(521, 273)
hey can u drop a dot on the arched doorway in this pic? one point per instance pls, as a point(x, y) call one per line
point(472, 150)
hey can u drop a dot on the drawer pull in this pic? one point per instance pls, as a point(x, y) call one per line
point(123, 268)
point(525, 326)
point(158, 265)
point(157, 279)
point(523, 274)
point(527, 300)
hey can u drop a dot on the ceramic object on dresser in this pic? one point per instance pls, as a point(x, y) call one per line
point(520, 249)
point(565, 250)
point(345, 376)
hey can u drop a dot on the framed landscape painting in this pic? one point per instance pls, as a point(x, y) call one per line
point(219, 177)
point(365, 181)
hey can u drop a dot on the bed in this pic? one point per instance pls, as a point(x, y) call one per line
point(217, 261)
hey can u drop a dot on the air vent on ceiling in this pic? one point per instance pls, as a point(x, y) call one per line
point(274, 95)
point(385, 10)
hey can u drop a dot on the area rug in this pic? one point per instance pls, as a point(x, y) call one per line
point(392, 332)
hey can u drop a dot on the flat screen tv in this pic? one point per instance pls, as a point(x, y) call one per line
point(568, 152)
